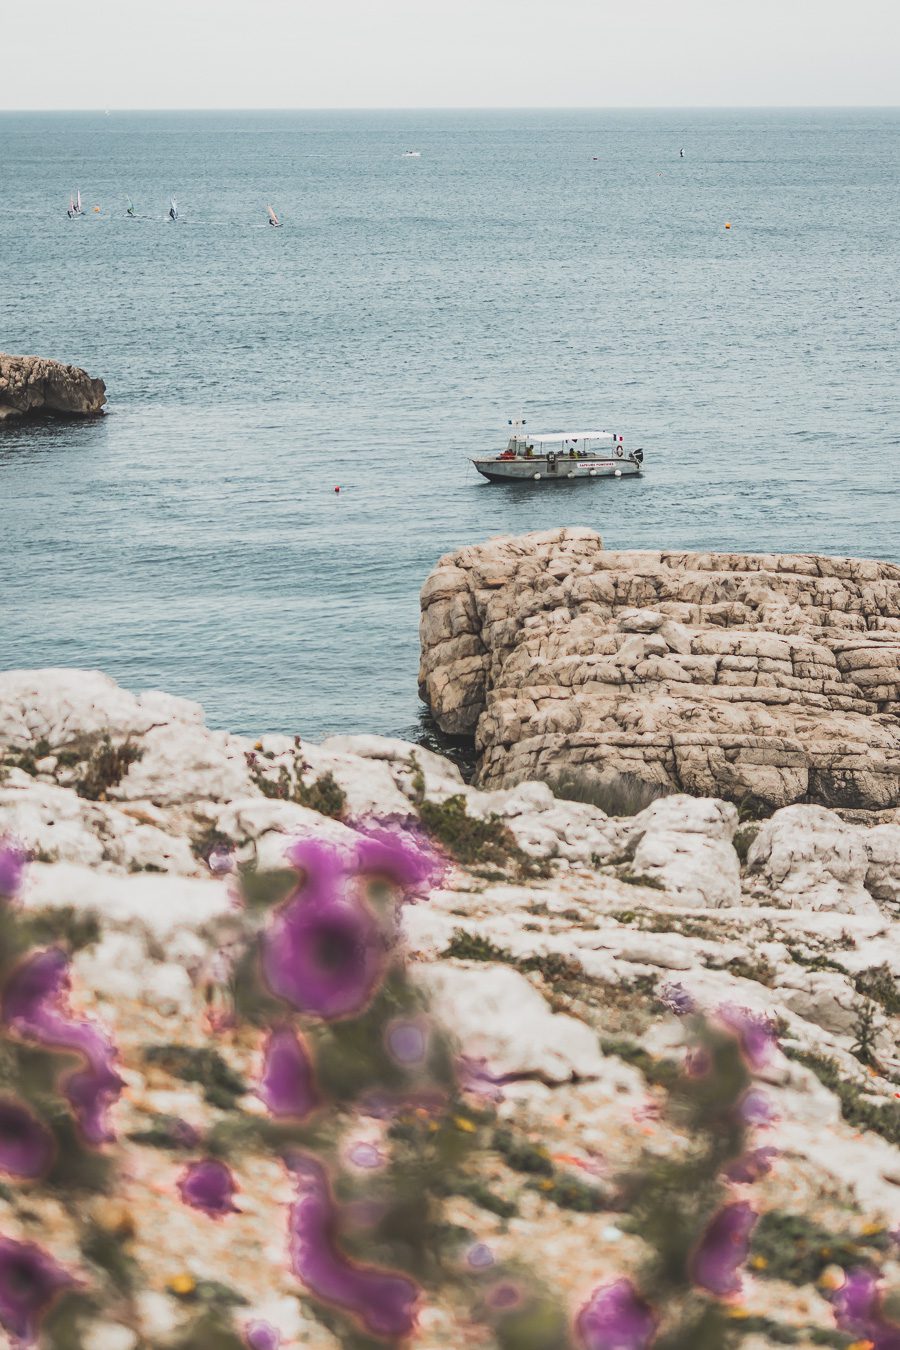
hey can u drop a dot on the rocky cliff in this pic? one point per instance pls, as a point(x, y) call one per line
point(559, 954)
point(774, 677)
point(34, 385)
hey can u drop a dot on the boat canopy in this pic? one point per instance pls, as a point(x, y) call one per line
point(559, 437)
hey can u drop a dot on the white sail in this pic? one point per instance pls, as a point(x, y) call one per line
point(273, 219)
point(78, 201)
point(173, 210)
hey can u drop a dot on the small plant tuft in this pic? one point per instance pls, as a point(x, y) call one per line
point(622, 795)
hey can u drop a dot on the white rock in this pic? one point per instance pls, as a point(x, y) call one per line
point(498, 1016)
point(441, 775)
point(142, 903)
point(368, 784)
point(52, 822)
point(186, 762)
point(883, 874)
point(109, 1336)
point(693, 868)
point(158, 1315)
point(59, 705)
point(807, 857)
point(681, 814)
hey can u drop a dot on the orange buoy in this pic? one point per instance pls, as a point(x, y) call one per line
point(728, 224)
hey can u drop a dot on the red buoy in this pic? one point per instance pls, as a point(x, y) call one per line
point(337, 489)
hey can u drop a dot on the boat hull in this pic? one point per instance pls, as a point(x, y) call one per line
point(564, 470)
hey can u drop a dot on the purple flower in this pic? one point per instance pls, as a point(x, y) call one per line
point(479, 1256)
point(34, 1005)
point(723, 1250)
point(365, 1155)
point(288, 1086)
point(30, 1280)
point(616, 1318)
point(26, 1146)
point(384, 1301)
point(751, 1166)
point(324, 953)
point(677, 999)
point(261, 1336)
point(407, 1041)
point(208, 1185)
point(504, 1296)
point(402, 854)
point(858, 1310)
point(12, 867)
point(755, 1108)
point(474, 1077)
point(220, 860)
point(755, 1034)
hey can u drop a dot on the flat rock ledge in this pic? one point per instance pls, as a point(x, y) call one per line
point(33, 385)
point(774, 677)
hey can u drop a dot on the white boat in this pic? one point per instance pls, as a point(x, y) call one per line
point(412, 154)
point(173, 210)
point(553, 456)
point(273, 219)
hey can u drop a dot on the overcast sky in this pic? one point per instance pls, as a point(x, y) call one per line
point(447, 53)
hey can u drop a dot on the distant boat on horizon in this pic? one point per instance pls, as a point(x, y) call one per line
point(173, 210)
point(681, 153)
point(75, 208)
point(412, 154)
point(273, 219)
point(129, 210)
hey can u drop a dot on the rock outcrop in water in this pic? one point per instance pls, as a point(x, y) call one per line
point(557, 964)
point(768, 676)
point(31, 385)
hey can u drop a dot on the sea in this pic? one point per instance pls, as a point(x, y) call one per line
point(569, 267)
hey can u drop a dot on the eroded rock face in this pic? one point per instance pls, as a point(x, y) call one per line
point(772, 676)
point(34, 384)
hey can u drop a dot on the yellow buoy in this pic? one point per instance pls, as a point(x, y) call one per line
point(96, 208)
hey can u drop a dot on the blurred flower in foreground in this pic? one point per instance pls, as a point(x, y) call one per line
point(858, 1310)
point(261, 1336)
point(384, 1301)
point(755, 1033)
point(324, 952)
point(288, 1087)
point(208, 1186)
point(616, 1318)
point(677, 999)
point(754, 1108)
point(402, 855)
point(29, 1282)
point(407, 1041)
point(723, 1250)
point(26, 1146)
point(749, 1167)
point(34, 1005)
point(12, 867)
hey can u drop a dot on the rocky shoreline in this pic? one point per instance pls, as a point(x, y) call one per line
point(32, 386)
point(767, 679)
point(558, 948)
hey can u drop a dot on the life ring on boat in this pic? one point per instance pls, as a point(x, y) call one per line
point(619, 452)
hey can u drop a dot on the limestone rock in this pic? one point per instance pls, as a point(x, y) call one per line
point(501, 1018)
point(775, 677)
point(807, 857)
point(34, 384)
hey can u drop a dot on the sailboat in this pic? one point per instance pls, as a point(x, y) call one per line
point(70, 210)
point(78, 209)
point(681, 153)
point(173, 210)
point(130, 211)
point(273, 219)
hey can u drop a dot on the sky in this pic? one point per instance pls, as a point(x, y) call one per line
point(449, 53)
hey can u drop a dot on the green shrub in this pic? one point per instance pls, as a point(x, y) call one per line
point(622, 795)
point(475, 842)
point(792, 1247)
point(105, 768)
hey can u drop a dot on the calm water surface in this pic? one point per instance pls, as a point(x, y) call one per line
point(567, 263)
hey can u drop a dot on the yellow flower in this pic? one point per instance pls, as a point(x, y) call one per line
point(738, 1314)
point(466, 1126)
point(758, 1262)
point(183, 1284)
